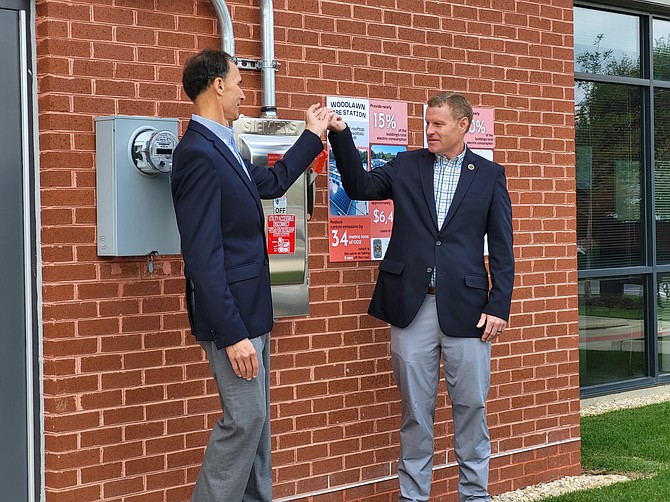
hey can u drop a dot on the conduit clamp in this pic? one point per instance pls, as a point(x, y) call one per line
point(255, 64)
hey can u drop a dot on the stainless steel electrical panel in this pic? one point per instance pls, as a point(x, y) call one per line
point(262, 141)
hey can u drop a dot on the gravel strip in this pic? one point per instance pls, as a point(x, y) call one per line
point(559, 487)
point(628, 402)
point(586, 481)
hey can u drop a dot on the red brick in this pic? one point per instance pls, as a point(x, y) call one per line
point(114, 88)
point(122, 451)
point(113, 51)
point(85, 493)
point(126, 486)
point(90, 31)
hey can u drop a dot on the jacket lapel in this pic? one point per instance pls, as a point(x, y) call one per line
point(427, 174)
point(225, 152)
point(468, 171)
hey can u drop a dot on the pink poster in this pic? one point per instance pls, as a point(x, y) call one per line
point(388, 122)
point(480, 135)
point(360, 230)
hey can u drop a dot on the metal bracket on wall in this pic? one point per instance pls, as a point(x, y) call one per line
point(150, 261)
point(255, 64)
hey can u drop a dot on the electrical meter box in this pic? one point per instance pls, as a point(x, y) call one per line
point(135, 215)
point(263, 141)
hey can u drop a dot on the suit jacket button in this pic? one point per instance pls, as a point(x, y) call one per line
point(438, 243)
point(267, 262)
point(212, 332)
point(429, 270)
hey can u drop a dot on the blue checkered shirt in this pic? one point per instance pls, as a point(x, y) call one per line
point(445, 175)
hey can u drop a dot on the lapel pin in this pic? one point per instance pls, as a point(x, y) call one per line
point(471, 167)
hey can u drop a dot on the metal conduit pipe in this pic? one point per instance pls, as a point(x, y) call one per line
point(225, 26)
point(268, 64)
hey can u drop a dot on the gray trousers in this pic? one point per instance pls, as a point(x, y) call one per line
point(237, 466)
point(415, 354)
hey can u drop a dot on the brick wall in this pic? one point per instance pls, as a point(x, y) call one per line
point(128, 401)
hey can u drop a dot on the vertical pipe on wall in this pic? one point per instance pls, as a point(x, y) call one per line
point(268, 106)
point(225, 26)
point(267, 64)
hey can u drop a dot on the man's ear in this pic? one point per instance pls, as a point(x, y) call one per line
point(219, 85)
point(463, 124)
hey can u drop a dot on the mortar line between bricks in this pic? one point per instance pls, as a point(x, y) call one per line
point(435, 468)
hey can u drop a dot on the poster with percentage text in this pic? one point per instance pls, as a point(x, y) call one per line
point(360, 230)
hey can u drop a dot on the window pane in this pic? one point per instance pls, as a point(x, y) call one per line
point(663, 302)
point(661, 49)
point(607, 42)
point(607, 131)
point(662, 173)
point(611, 329)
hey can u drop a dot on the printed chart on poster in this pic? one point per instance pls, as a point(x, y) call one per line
point(360, 230)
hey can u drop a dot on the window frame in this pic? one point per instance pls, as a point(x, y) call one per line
point(650, 270)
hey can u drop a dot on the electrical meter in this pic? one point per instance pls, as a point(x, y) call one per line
point(151, 151)
point(135, 214)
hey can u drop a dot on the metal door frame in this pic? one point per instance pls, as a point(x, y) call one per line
point(33, 258)
point(31, 247)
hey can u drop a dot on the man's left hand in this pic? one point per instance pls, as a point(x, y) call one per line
point(243, 359)
point(494, 327)
point(318, 118)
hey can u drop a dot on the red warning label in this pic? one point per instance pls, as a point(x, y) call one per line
point(273, 158)
point(281, 234)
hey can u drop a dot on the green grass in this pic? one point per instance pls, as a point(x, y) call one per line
point(635, 442)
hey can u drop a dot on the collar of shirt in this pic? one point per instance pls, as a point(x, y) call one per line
point(454, 161)
point(224, 133)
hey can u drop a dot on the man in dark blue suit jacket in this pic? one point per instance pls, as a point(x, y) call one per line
point(433, 285)
point(216, 197)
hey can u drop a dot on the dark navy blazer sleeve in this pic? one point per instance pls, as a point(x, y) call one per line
point(356, 181)
point(501, 255)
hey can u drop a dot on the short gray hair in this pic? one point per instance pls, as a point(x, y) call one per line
point(460, 107)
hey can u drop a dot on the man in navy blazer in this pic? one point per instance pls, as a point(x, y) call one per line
point(216, 197)
point(433, 285)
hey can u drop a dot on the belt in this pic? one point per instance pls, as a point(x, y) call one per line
point(431, 290)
